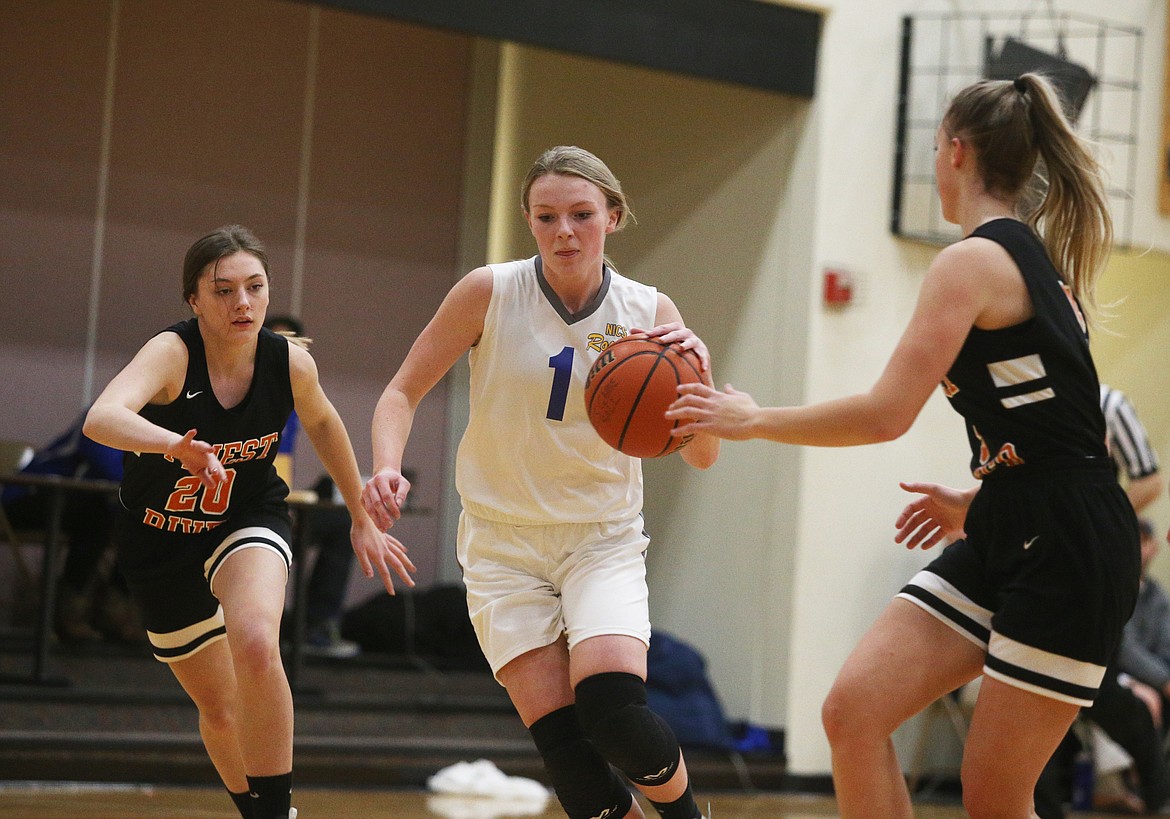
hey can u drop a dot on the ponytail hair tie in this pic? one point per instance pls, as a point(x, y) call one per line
point(1019, 84)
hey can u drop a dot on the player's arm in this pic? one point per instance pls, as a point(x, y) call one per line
point(154, 376)
point(701, 451)
point(1144, 490)
point(451, 332)
point(375, 550)
point(955, 293)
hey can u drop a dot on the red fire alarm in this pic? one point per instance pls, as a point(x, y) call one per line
point(838, 288)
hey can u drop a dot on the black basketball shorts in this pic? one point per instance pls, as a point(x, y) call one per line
point(171, 575)
point(1045, 580)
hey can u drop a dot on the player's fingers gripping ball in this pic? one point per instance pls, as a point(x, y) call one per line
point(628, 390)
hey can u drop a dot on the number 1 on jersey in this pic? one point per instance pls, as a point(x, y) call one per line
point(562, 367)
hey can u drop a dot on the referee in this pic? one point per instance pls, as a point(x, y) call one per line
point(1129, 446)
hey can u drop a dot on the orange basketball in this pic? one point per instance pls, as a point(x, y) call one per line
point(628, 390)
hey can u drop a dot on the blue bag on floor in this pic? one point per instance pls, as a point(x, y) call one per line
point(678, 690)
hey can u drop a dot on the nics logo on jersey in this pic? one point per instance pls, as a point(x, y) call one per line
point(598, 342)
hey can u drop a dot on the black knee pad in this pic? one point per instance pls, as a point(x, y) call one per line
point(585, 784)
point(613, 711)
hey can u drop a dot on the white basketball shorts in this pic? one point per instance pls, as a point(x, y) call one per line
point(527, 585)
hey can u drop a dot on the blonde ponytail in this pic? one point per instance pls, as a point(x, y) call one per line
point(1073, 215)
point(1017, 128)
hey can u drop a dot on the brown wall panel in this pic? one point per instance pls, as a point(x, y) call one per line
point(208, 108)
point(387, 168)
point(207, 131)
point(52, 73)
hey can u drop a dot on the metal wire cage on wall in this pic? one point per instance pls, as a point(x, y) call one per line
point(1094, 62)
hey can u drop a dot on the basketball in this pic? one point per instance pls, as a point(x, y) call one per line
point(627, 392)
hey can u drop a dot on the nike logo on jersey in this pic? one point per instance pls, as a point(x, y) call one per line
point(193, 394)
point(1028, 543)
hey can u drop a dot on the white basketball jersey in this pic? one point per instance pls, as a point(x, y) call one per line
point(529, 454)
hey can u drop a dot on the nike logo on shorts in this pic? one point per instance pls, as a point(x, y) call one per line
point(193, 394)
point(1028, 543)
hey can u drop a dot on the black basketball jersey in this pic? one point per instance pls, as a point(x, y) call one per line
point(1029, 393)
point(246, 439)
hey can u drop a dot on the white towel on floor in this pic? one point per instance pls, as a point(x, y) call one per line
point(482, 779)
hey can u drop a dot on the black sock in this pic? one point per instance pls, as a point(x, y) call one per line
point(243, 803)
point(271, 796)
point(682, 808)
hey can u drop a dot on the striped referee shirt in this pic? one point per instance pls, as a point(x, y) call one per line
point(1129, 446)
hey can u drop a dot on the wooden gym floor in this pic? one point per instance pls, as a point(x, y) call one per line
point(87, 801)
point(66, 801)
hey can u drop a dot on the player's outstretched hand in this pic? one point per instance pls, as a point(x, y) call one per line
point(384, 496)
point(198, 458)
point(378, 551)
point(936, 516)
point(701, 408)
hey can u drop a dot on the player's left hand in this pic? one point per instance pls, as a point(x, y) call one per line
point(677, 333)
point(377, 550)
point(936, 516)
